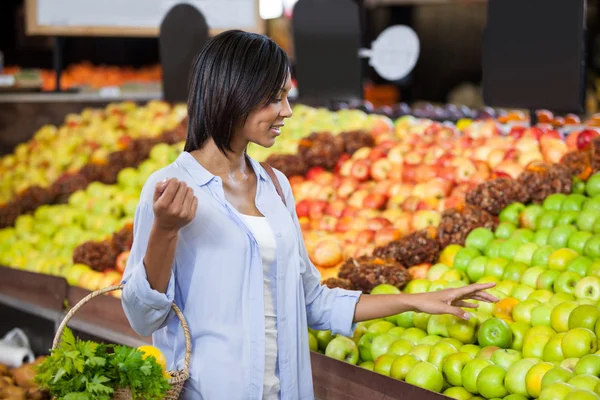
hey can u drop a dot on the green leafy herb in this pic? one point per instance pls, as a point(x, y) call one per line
point(85, 370)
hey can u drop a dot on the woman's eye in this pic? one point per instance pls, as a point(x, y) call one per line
point(277, 100)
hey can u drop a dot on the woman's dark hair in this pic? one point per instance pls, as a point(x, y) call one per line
point(234, 73)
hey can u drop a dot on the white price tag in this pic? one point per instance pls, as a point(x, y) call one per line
point(110, 91)
point(7, 80)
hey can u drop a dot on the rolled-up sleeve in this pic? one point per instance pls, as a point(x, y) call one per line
point(326, 309)
point(146, 309)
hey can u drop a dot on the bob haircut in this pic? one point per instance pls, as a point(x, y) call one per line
point(235, 73)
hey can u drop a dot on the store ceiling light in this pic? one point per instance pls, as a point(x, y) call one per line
point(270, 9)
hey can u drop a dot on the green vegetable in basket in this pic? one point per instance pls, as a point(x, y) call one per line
point(85, 370)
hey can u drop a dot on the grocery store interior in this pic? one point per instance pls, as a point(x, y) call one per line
point(434, 144)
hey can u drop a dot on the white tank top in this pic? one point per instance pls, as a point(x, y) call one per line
point(260, 228)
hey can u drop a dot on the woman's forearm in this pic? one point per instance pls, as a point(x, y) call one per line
point(159, 257)
point(382, 305)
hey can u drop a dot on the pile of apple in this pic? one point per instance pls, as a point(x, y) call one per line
point(44, 241)
point(417, 169)
point(541, 340)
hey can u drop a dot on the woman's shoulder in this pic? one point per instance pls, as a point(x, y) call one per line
point(173, 170)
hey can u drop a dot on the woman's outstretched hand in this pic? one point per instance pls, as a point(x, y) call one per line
point(450, 301)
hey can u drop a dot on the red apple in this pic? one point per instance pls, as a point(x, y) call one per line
point(327, 253)
point(376, 154)
point(425, 173)
point(328, 223)
point(411, 203)
point(313, 172)
point(302, 208)
point(396, 154)
point(386, 235)
point(412, 158)
point(340, 162)
point(403, 223)
point(350, 211)
point(346, 168)
point(408, 173)
point(585, 137)
point(317, 209)
point(335, 208)
point(375, 201)
point(365, 237)
point(361, 153)
point(572, 141)
point(344, 224)
point(347, 187)
point(378, 223)
point(465, 169)
point(121, 262)
point(425, 219)
point(517, 132)
point(419, 271)
point(360, 170)
point(381, 169)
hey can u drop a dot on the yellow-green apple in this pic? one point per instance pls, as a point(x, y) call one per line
point(558, 298)
point(490, 382)
point(541, 295)
point(471, 372)
point(495, 332)
point(438, 325)
point(514, 270)
point(592, 247)
point(312, 342)
point(364, 346)
point(556, 391)
point(383, 364)
point(533, 379)
point(421, 320)
point(458, 393)
point(511, 213)
point(506, 286)
point(381, 345)
point(454, 275)
point(436, 271)
point(556, 374)
point(487, 352)
point(586, 219)
point(566, 282)
point(421, 351)
point(530, 276)
point(588, 365)
point(471, 349)
point(324, 338)
point(417, 286)
point(402, 366)
point(541, 237)
point(370, 365)
point(579, 342)
point(452, 367)
point(522, 311)
point(405, 319)
point(426, 376)
point(540, 315)
point(559, 259)
point(569, 363)
point(462, 330)
point(541, 256)
point(519, 330)
point(553, 349)
point(75, 272)
point(396, 331)
point(594, 269)
point(479, 238)
point(560, 235)
point(464, 256)
point(533, 345)
point(380, 327)
point(588, 288)
point(584, 382)
point(413, 335)
point(580, 265)
point(342, 348)
point(505, 358)
point(546, 279)
point(582, 394)
point(438, 285)
point(476, 268)
point(530, 215)
point(439, 352)
point(584, 316)
point(454, 342)
point(400, 347)
point(495, 267)
point(515, 381)
point(578, 240)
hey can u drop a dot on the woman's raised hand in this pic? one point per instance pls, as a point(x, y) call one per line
point(174, 206)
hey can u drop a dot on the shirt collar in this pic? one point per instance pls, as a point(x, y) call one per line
point(202, 176)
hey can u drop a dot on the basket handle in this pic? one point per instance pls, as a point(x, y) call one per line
point(86, 299)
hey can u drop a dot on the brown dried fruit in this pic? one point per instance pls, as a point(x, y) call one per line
point(68, 184)
point(99, 256)
point(366, 272)
point(333, 283)
point(33, 197)
point(417, 248)
point(321, 150)
point(355, 140)
point(456, 224)
point(289, 164)
point(123, 240)
point(493, 196)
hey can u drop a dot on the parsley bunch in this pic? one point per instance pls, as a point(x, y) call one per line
point(85, 370)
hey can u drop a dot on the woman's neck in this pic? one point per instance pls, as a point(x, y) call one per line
point(217, 163)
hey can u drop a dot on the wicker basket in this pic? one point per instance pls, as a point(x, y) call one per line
point(178, 378)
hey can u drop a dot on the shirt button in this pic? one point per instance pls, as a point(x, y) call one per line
point(285, 360)
point(279, 234)
point(283, 318)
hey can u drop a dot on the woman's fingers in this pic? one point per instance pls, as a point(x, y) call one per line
point(464, 304)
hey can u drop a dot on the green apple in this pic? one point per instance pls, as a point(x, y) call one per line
point(479, 238)
point(530, 276)
point(584, 382)
point(533, 345)
point(554, 201)
point(558, 298)
point(383, 364)
point(541, 256)
point(569, 363)
point(588, 365)
point(454, 275)
point(553, 350)
point(530, 215)
point(454, 342)
point(515, 376)
point(504, 358)
point(582, 395)
point(522, 311)
point(436, 271)
point(370, 365)
point(360, 330)
point(559, 259)
point(574, 202)
point(364, 346)
point(548, 219)
point(566, 282)
point(540, 315)
point(421, 351)
point(592, 247)
point(493, 250)
point(430, 340)
point(567, 218)
point(458, 393)
point(512, 213)
point(592, 204)
point(586, 220)
point(593, 269)
point(556, 391)
point(471, 349)
point(555, 375)
point(509, 248)
point(462, 330)
point(405, 319)
point(495, 332)
point(324, 337)
point(453, 365)
point(413, 335)
point(381, 345)
point(588, 288)
point(490, 382)
point(313, 344)
point(421, 320)
point(402, 366)
point(504, 230)
point(426, 376)
point(559, 319)
point(342, 348)
point(580, 265)
point(525, 253)
point(506, 286)
point(597, 329)
point(522, 235)
point(579, 342)
point(439, 352)
point(400, 347)
point(476, 268)
point(515, 397)
point(464, 257)
point(560, 235)
point(578, 240)
point(471, 372)
point(541, 237)
point(495, 267)
point(519, 330)
point(417, 286)
point(380, 327)
point(396, 331)
point(546, 279)
point(584, 316)
point(385, 288)
point(541, 295)
point(522, 292)
point(533, 379)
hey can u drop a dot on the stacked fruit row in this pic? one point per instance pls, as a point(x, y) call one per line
point(92, 146)
point(539, 341)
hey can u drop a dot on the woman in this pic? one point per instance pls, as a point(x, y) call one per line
point(212, 234)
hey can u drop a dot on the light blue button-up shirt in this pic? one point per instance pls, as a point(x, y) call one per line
point(217, 281)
